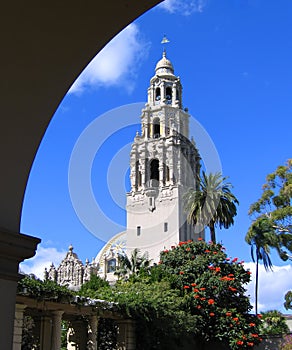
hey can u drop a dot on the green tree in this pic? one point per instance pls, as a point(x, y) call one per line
point(288, 300)
point(273, 323)
point(274, 206)
point(136, 264)
point(272, 219)
point(211, 203)
point(214, 284)
point(90, 287)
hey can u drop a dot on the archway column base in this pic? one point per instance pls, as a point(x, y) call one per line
point(14, 248)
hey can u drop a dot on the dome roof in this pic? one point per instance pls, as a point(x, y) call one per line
point(164, 63)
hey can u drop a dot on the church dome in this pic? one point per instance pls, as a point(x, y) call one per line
point(164, 65)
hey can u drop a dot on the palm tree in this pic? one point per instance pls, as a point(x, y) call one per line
point(261, 236)
point(133, 265)
point(211, 203)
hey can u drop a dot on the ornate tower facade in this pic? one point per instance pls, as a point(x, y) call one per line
point(163, 165)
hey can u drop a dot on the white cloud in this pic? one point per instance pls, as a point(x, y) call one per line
point(116, 64)
point(183, 7)
point(43, 258)
point(273, 286)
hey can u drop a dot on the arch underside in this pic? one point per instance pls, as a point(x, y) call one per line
point(43, 50)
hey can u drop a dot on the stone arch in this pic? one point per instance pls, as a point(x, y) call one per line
point(31, 92)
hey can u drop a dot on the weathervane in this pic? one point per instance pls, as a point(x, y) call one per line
point(163, 42)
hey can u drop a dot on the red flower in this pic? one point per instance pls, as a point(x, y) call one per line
point(239, 342)
point(199, 307)
point(260, 316)
point(193, 284)
point(235, 319)
point(186, 287)
point(227, 259)
point(165, 251)
point(188, 249)
point(255, 335)
point(232, 289)
point(211, 314)
point(196, 290)
point(203, 298)
point(234, 260)
point(173, 247)
point(181, 272)
point(217, 269)
point(196, 296)
point(215, 252)
point(231, 275)
point(252, 324)
point(200, 239)
point(250, 344)
point(211, 301)
point(203, 288)
point(249, 272)
point(207, 251)
point(228, 313)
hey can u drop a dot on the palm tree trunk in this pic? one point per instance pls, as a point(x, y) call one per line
point(212, 231)
point(257, 285)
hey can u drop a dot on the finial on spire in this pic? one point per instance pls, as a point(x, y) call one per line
point(163, 42)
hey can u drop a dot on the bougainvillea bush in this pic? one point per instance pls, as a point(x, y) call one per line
point(215, 287)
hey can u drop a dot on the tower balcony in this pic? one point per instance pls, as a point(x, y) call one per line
point(152, 188)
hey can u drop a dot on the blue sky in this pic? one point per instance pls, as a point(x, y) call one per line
point(234, 59)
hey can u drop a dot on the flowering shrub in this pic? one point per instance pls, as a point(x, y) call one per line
point(214, 285)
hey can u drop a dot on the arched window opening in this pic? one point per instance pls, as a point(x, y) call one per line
point(167, 174)
point(157, 94)
point(138, 175)
point(156, 128)
point(168, 94)
point(154, 172)
point(111, 265)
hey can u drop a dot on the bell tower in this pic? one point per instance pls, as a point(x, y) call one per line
point(164, 163)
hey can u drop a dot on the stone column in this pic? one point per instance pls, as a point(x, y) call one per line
point(174, 97)
point(14, 248)
point(126, 339)
point(56, 329)
point(92, 333)
point(18, 324)
point(46, 333)
point(162, 93)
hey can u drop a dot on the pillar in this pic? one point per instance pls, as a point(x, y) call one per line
point(18, 325)
point(14, 248)
point(46, 333)
point(92, 333)
point(126, 339)
point(56, 329)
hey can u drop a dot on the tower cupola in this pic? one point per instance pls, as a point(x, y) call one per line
point(165, 88)
point(164, 66)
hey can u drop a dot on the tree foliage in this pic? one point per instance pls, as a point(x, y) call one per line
point(194, 296)
point(134, 265)
point(49, 290)
point(273, 209)
point(273, 323)
point(211, 204)
point(214, 285)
